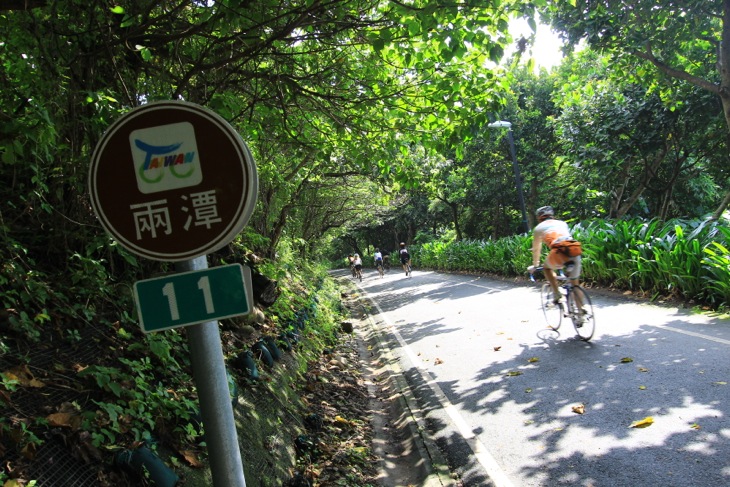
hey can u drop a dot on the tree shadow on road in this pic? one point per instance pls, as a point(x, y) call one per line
point(571, 405)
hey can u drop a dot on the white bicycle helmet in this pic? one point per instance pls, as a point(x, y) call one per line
point(544, 212)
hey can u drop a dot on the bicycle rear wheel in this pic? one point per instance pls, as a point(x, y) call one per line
point(584, 320)
point(553, 311)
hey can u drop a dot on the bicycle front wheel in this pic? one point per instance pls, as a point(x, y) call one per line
point(581, 313)
point(553, 311)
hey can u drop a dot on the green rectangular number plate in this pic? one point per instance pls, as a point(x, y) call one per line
point(187, 298)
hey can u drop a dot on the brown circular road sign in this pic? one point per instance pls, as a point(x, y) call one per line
point(172, 181)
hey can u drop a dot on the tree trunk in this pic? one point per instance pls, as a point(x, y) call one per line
point(649, 174)
point(455, 216)
point(617, 195)
point(721, 209)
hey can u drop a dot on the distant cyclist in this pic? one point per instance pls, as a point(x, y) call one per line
point(351, 262)
point(378, 258)
point(405, 258)
point(564, 249)
point(357, 262)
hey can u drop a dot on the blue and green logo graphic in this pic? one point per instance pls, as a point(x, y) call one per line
point(165, 157)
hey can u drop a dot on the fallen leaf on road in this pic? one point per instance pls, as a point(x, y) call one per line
point(579, 409)
point(497, 349)
point(626, 360)
point(528, 390)
point(513, 373)
point(695, 426)
point(643, 369)
point(642, 388)
point(720, 383)
point(438, 361)
point(533, 359)
point(642, 423)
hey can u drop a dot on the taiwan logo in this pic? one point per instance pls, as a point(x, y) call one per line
point(165, 157)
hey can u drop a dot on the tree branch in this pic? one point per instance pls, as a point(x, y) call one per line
point(648, 55)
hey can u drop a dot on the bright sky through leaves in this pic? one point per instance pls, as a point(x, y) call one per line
point(546, 49)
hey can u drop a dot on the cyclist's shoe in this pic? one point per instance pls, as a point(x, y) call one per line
point(579, 318)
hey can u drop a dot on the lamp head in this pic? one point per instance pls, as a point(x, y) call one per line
point(500, 124)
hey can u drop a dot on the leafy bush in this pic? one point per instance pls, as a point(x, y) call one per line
point(683, 258)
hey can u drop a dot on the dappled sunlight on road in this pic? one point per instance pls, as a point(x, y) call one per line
point(514, 385)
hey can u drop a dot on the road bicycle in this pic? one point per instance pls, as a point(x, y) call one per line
point(583, 318)
point(358, 274)
point(379, 267)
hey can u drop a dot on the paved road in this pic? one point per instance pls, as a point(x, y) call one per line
point(497, 388)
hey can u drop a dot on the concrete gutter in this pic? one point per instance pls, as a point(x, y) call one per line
point(409, 456)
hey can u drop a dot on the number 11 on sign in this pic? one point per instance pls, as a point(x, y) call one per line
point(168, 290)
point(193, 297)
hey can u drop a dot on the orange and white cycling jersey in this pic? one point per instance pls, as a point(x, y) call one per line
point(549, 231)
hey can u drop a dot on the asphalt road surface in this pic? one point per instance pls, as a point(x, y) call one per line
point(501, 394)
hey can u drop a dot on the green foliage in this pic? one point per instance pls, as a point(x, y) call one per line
point(688, 259)
point(141, 398)
point(506, 256)
point(666, 258)
point(716, 265)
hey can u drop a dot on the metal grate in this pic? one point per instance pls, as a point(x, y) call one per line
point(54, 467)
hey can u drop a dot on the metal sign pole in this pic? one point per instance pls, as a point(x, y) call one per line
point(209, 372)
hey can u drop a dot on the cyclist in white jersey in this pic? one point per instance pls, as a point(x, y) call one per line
point(550, 231)
point(378, 257)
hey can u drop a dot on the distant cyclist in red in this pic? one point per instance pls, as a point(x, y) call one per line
point(556, 235)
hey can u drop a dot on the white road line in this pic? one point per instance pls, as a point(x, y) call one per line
point(691, 333)
point(495, 472)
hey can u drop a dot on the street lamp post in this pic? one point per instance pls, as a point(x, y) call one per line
point(518, 179)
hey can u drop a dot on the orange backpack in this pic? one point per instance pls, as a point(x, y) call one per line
point(568, 247)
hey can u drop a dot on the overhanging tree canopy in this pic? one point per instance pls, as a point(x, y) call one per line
point(687, 40)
